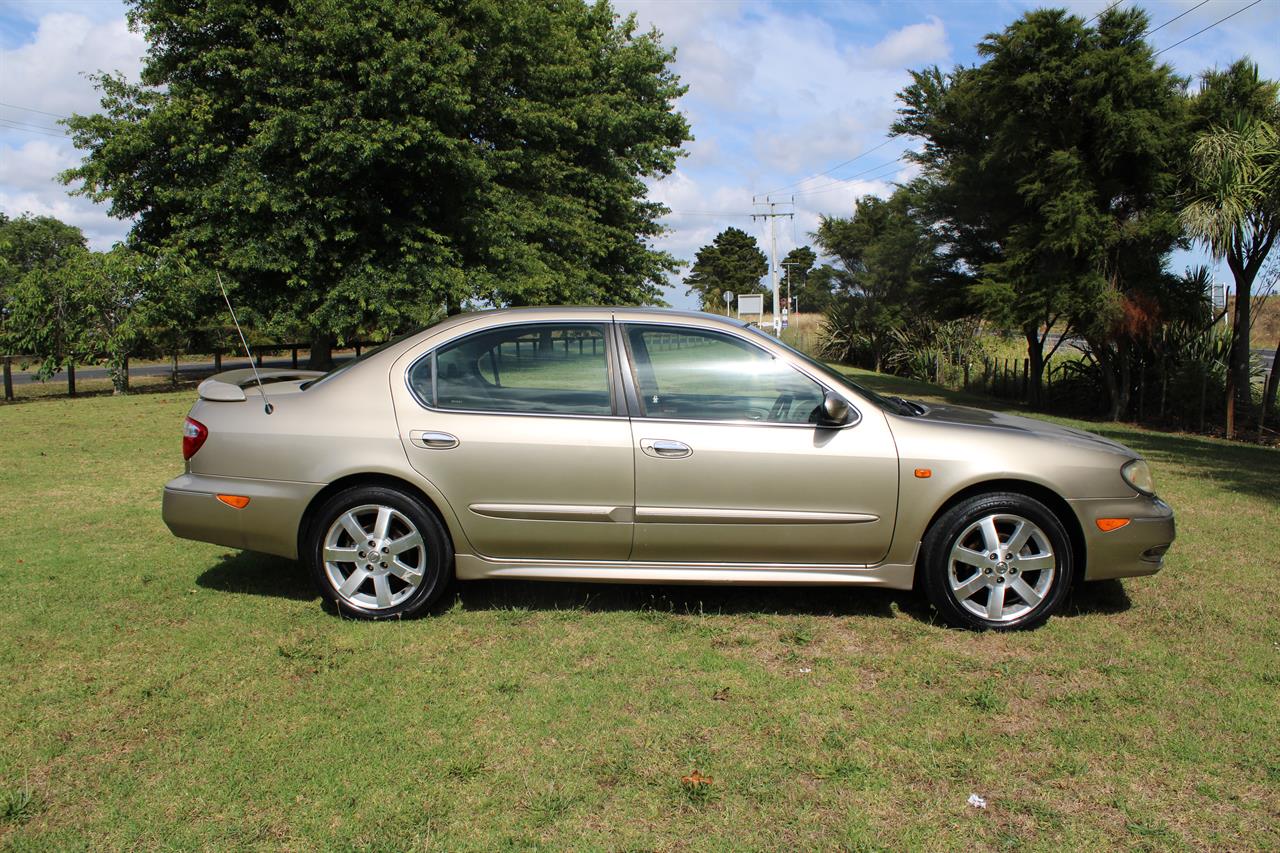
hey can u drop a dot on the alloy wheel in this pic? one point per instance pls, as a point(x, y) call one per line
point(374, 557)
point(1001, 567)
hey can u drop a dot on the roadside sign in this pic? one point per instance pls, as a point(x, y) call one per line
point(784, 318)
point(751, 303)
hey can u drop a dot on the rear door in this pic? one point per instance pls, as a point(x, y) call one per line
point(730, 466)
point(521, 428)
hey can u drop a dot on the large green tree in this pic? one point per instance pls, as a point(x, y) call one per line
point(31, 243)
point(797, 267)
point(358, 166)
point(890, 263)
point(731, 263)
point(1050, 169)
point(1233, 194)
point(90, 307)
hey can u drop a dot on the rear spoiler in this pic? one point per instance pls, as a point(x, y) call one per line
point(228, 386)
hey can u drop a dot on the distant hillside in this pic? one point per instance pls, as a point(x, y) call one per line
point(1266, 324)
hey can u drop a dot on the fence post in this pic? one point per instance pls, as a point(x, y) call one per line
point(217, 361)
point(1026, 377)
point(966, 374)
point(357, 349)
point(173, 373)
point(295, 358)
point(259, 360)
point(71, 378)
point(126, 373)
point(8, 377)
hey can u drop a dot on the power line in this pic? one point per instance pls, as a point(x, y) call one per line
point(1174, 18)
point(1103, 12)
point(832, 169)
point(1206, 29)
point(30, 110)
point(13, 126)
point(843, 181)
point(705, 213)
point(31, 125)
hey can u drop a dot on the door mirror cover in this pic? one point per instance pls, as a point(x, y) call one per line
point(835, 410)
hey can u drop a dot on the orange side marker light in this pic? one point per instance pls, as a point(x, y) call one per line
point(235, 501)
point(924, 473)
point(1106, 525)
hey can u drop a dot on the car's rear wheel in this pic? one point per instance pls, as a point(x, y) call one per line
point(377, 553)
point(998, 561)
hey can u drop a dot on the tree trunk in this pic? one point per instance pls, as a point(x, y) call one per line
point(321, 351)
point(1115, 378)
point(1035, 353)
point(1238, 387)
point(118, 369)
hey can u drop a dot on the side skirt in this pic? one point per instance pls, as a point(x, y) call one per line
point(887, 575)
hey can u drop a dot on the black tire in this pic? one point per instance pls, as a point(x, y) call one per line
point(958, 587)
point(433, 561)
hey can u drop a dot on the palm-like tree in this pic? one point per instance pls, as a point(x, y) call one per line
point(1233, 208)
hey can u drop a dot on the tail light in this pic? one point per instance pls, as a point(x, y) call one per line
point(193, 435)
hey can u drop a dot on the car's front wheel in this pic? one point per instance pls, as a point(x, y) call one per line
point(377, 553)
point(998, 561)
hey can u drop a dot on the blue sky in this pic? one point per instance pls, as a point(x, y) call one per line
point(779, 92)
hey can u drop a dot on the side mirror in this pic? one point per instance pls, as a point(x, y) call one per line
point(835, 410)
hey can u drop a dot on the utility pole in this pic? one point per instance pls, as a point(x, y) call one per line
point(791, 306)
point(772, 216)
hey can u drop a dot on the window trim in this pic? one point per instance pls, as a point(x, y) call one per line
point(611, 368)
point(635, 408)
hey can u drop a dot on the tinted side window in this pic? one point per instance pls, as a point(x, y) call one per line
point(702, 375)
point(559, 369)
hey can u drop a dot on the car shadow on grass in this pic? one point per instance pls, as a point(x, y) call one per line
point(249, 573)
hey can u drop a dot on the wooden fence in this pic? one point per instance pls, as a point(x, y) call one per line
point(218, 355)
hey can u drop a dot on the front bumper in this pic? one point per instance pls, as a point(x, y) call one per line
point(1136, 549)
point(269, 523)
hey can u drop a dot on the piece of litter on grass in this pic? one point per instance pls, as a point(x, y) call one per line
point(804, 670)
point(977, 802)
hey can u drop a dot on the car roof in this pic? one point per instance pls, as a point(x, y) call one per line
point(480, 320)
point(620, 311)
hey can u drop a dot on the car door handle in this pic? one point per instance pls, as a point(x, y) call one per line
point(433, 440)
point(665, 448)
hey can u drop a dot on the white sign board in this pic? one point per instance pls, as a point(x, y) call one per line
point(751, 303)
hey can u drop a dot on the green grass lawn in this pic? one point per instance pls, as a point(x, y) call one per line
point(156, 693)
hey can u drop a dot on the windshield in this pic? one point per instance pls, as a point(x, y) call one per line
point(354, 361)
point(879, 399)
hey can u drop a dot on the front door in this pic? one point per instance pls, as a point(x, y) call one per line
point(731, 468)
point(519, 427)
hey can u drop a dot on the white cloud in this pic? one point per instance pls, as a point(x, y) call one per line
point(45, 77)
point(49, 73)
point(913, 45)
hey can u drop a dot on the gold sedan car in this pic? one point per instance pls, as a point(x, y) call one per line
point(634, 445)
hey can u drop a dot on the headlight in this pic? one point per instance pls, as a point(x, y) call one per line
point(1137, 473)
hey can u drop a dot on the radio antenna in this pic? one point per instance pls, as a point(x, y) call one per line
point(266, 404)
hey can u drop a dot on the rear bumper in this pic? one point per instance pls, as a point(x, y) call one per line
point(1136, 549)
point(269, 523)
